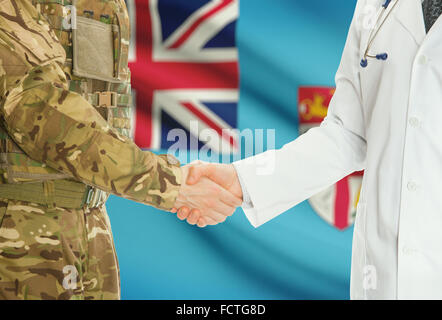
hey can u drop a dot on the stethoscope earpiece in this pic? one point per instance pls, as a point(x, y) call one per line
point(364, 63)
point(382, 56)
point(386, 4)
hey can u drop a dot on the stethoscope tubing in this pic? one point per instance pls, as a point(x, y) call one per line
point(380, 21)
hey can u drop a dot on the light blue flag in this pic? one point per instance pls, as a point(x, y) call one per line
point(282, 45)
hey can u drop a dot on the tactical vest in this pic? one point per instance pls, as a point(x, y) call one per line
point(95, 37)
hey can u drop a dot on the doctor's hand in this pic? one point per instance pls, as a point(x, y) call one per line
point(205, 201)
point(222, 174)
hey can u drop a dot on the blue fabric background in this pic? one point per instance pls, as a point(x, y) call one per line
point(282, 44)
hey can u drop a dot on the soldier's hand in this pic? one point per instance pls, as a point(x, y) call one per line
point(202, 201)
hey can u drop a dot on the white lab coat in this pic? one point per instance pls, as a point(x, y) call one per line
point(386, 119)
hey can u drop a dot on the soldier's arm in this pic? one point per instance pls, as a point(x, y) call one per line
point(60, 128)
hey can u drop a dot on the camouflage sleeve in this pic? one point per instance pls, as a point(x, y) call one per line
point(60, 128)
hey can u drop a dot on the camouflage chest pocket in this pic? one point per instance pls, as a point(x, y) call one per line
point(94, 46)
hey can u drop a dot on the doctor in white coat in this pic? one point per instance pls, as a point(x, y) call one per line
point(386, 118)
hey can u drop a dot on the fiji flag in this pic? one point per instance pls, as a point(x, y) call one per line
point(184, 64)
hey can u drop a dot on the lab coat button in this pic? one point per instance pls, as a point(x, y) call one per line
point(423, 60)
point(414, 122)
point(411, 186)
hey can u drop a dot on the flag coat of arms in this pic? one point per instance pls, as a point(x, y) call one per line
point(184, 64)
point(336, 204)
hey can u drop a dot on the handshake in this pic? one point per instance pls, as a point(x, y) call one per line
point(209, 193)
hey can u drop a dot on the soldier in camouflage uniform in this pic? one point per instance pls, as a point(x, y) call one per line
point(64, 127)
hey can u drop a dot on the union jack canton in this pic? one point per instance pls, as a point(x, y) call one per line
point(184, 65)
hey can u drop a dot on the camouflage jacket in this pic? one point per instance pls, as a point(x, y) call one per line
point(57, 128)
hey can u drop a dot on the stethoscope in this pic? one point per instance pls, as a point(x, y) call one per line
point(382, 17)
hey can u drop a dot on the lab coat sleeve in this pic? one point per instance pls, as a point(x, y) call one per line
point(277, 180)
